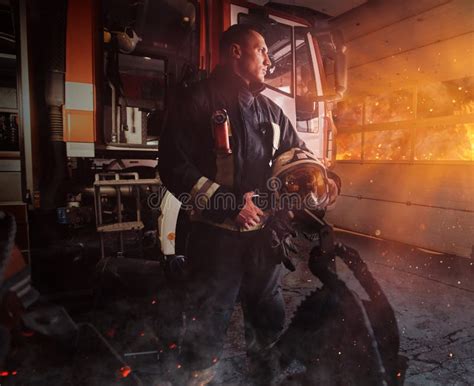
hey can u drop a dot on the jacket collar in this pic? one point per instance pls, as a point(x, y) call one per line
point(233, 83)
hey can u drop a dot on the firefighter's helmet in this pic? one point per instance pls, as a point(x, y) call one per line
point(300, 181)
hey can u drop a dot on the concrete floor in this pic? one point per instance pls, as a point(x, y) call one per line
point(432, 296)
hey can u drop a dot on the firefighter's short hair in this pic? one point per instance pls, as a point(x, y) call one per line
point(236, 33)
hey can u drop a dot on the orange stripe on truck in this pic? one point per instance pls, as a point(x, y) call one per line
point(80, 41)
point(80, 105)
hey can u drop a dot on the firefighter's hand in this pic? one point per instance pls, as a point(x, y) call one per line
point(250, 215)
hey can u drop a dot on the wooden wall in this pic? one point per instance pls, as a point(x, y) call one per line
point(396, 45)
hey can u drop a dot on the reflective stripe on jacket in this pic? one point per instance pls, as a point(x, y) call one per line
point(187, 161)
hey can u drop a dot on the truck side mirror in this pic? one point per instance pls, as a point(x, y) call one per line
point(340, 64)
point(333, 47)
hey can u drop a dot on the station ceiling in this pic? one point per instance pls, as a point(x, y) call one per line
point(328, 7)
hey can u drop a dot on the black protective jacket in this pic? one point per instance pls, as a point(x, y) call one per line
point(186, 152)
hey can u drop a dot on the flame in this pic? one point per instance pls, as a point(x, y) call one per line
point(433, 140)
point(387, 145)
point(349, 146)
point(449, 143)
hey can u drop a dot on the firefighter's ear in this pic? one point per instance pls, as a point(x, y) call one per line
point(235, 51)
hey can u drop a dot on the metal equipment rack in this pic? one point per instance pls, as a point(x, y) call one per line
point(118, 181)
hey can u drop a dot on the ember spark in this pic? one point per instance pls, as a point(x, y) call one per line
point(125, 371)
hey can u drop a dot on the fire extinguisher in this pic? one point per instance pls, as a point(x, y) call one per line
point(221, 132)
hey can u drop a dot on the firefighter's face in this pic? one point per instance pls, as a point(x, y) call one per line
point(252, 58)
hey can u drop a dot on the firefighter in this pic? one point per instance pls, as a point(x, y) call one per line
point(215, 156)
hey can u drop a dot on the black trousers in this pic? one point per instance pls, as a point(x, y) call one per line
point(224, 264)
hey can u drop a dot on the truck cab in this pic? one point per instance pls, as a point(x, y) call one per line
point(106, 72)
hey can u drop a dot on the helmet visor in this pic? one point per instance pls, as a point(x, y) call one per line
point(310, 183)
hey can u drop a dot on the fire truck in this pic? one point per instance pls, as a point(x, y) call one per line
point(95, 81)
